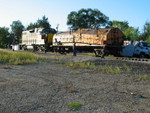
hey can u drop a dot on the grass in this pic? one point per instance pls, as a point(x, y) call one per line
point(70, 88)
point(75, 106)
point(75, 72)
point(19, 57)
point(5, 67)
point(127, 68)
point(89, 65)
point(143, 77)
point(138, 78)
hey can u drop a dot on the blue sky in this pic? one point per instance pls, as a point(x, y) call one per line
point(136, 12)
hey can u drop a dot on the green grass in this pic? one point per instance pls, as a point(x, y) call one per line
point(89, 65)
point(138, 78)
point(19, 57)
point(75, 72)
point(75, 106)
point(143, 77)
point(127, 68)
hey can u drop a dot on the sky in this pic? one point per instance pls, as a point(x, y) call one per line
point(136, 12)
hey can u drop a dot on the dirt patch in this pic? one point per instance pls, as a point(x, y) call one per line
point(49, 86)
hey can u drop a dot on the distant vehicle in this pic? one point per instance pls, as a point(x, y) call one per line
point(138, 49)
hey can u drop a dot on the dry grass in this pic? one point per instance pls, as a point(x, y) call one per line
point(70, 88)
point(6, 67)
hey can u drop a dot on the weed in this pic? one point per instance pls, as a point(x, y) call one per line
point(127, 68)
point(89, 65)
point(70, 88)
point(75, 106)
point(90, 54)
point(143, 77)
point(13, 57)
point(112, 70)
point(139, 78)
point(75, 72)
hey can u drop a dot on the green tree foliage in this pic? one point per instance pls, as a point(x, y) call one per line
point(146, 32)
point(131, 33)
point(17, 28)
point(122, 25)
point(87, 18)
point(42, 23)
point(4, 37)
point(31, 26)
point(148, 39)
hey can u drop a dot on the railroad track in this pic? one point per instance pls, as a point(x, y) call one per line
point(92, 55)
point(135, 59)
point(146, 60)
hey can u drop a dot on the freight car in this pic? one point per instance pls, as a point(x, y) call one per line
point(100, 41)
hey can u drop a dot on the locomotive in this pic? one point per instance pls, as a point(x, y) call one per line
point(100, 41)
point(36, 39)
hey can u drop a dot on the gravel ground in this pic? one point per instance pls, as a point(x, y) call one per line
point(49, 86)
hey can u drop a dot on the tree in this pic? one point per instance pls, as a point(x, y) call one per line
point(87, 18)
point(17, 28)
point(4, 37)
point(32, 26)
point(42, 23)
point(122, 25)
point(132, 33)
point(146, 32)
point(148, 39)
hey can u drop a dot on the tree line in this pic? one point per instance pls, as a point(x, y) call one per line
point(84, 18)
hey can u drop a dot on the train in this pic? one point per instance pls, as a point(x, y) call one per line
point(100, 41)
point(103, 42)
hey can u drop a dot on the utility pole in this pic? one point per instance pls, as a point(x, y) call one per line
point(74, 46)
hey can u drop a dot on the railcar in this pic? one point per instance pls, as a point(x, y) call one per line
point(100, 41)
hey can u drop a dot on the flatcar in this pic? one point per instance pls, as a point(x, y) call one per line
point(100, 41)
